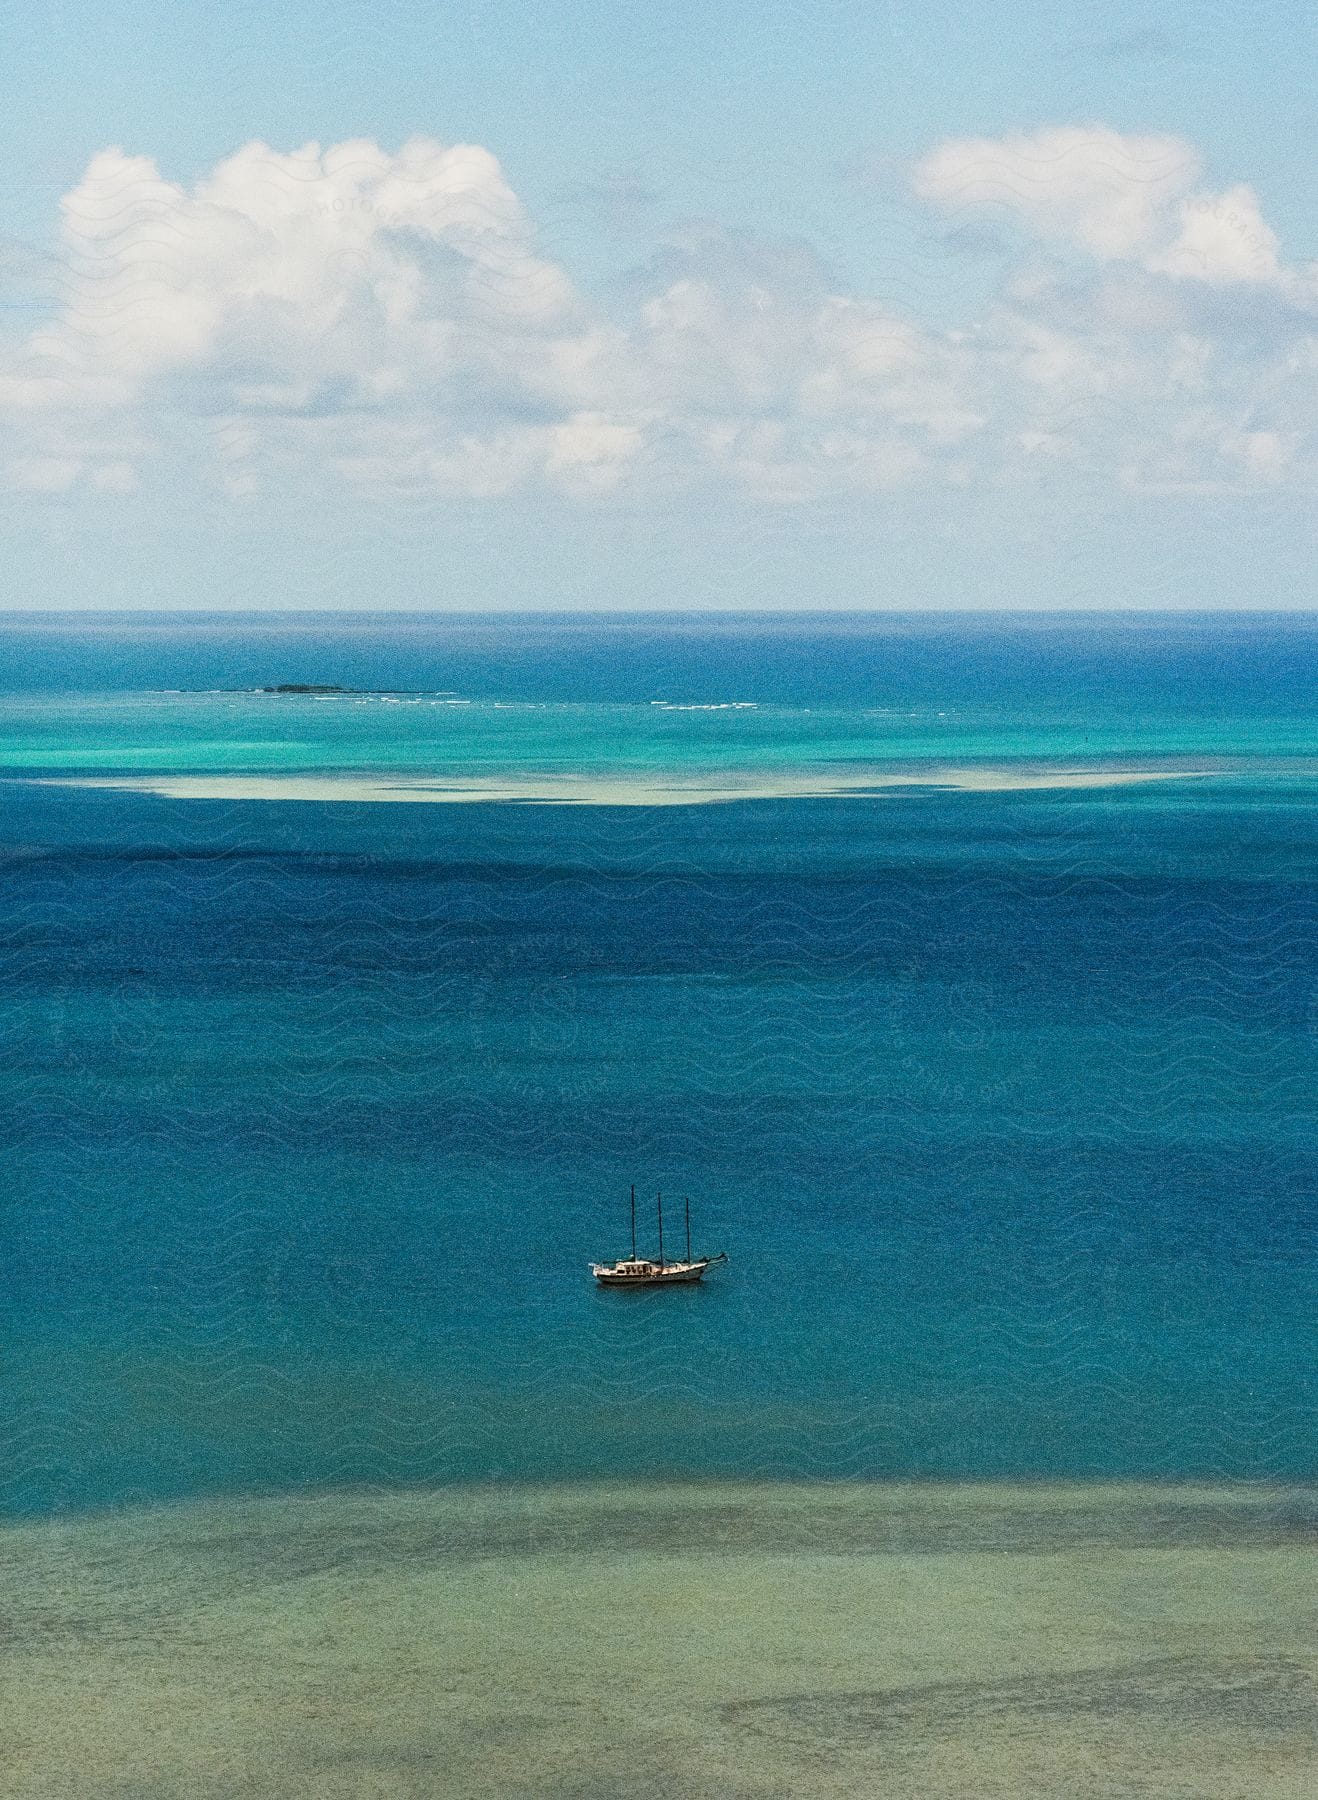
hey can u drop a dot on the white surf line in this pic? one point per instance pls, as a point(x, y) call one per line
point(564, 790)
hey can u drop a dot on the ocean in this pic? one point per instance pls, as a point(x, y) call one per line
point(960, 971)
point(963, 972)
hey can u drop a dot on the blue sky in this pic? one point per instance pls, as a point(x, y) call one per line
point(746, 305)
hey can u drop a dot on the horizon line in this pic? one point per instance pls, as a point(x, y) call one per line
point(20, 614)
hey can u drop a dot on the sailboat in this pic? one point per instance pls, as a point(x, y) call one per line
point(641, 1271)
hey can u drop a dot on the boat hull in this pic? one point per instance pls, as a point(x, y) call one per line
point(670, 1275)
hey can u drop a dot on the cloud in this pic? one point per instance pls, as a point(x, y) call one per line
point(1151, 329)
point(1222, 238)
point(1103, 192)
point(359, 321)
point(403, 298)
point(1111, 197)
point(347, 281)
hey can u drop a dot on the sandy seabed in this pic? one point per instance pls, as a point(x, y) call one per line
point(614, 790)
point(735, 1641)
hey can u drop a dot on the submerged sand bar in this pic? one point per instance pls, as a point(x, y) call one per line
point(653, 789)
point(735, 1641)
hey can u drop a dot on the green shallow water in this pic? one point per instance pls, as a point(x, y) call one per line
point(739, 1640)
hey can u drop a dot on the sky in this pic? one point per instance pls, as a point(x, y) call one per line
point(574, 305)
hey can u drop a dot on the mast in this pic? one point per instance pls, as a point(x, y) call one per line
point(687, 1204)
point(660, 1201)
point(633, 1221)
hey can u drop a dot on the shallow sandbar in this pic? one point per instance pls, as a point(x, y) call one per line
point(735, 1641)
point(617, 790)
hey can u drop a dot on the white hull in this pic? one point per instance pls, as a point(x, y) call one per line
point(649, 1274)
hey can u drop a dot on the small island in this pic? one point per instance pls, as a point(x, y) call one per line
point(330, 687)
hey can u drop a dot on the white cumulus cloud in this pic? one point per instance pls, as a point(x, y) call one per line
point(1085, 185)
point(1113, 197)
point(388, 323)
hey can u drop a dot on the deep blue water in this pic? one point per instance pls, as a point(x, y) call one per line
point(1208, 664)
point(1002, 1104)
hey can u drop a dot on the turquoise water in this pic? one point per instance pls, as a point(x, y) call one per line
point(1001, 1100)
point(268, 734)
